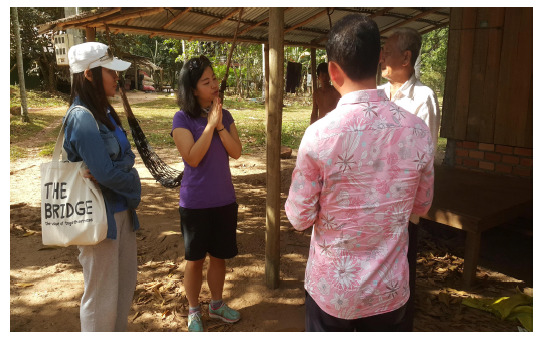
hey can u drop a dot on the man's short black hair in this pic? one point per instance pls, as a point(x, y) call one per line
point(354, 44)
point(323, 67)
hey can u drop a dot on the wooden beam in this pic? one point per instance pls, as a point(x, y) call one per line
point(434, 28)
point(257, 24)
point(320, 39)
point(136, 15)
point(209, 27)
point(381, 12)
point(176, 17)
point(101, 15)
point(273, 146)
point(319, 14)
point(91, 21)
point(185, 35)
point(420, 15)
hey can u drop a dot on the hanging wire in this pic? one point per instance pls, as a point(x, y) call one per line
point(329, 15)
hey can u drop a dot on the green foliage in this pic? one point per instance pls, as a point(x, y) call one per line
point(38, 48)
point(434, 59)
point(31, 43)
point(442, 143)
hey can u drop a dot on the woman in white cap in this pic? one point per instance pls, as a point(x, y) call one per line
point(109, 267)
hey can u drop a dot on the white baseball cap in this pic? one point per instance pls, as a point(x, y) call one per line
point(93, 54)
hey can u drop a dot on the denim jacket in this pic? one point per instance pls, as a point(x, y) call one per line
point(100, 151)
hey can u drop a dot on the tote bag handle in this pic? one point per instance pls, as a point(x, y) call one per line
point(59, 147)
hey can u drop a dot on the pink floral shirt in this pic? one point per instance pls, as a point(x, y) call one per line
point(360, 172)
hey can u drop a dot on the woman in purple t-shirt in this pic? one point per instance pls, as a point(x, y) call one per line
point(206, 136)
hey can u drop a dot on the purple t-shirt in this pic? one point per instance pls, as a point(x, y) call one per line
point(208, 185)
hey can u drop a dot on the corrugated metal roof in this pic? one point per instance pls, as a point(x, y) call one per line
point(311, 33)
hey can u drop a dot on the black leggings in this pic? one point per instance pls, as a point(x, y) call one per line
point(316, 320)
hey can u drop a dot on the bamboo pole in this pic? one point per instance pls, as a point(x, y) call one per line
point(273, 146)
point(16, 31)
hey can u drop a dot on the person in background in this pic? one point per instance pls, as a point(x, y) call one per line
point(109, 267)
point(360, 172)
point(326, 97)
point(206, 136)
point(399, 56)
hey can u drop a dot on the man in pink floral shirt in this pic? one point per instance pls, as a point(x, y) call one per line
point(360, 172)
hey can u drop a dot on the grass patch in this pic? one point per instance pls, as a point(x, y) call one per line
point(20, 131)
point(48, 149)
point(156, 121)
point(16, 153)
point(37, 98)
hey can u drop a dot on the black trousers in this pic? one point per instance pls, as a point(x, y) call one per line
point(316, 320)
point(408, 322)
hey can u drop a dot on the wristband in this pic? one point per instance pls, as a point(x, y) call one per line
point(221, 129)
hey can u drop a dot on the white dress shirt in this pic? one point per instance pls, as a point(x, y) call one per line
point(419, 99)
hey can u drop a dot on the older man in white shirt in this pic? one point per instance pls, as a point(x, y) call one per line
point(397, 61)
point(398, 58)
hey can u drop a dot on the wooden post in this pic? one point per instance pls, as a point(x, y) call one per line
point(273, 145)
point(266, 82)
point(90, 34)
point(471, 255)
point(314, 78)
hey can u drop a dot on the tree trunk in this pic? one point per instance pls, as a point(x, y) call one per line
point(236, 81)
point(47, 69)
point(16, 30)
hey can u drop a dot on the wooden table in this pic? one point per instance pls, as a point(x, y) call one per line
point(474, 202)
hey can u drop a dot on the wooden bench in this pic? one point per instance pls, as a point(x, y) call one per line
point(474, 202)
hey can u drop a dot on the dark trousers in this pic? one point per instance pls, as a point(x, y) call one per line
point(316, 320)
point(408, 322)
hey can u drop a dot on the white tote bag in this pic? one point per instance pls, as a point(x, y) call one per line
point(72, 207)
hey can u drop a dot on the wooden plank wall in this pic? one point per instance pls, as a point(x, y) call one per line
point(489, 76)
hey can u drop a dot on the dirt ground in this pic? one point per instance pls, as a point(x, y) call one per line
point(46, 284)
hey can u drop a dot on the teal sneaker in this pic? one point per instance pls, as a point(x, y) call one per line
point(225, 313)
point(194, 323)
